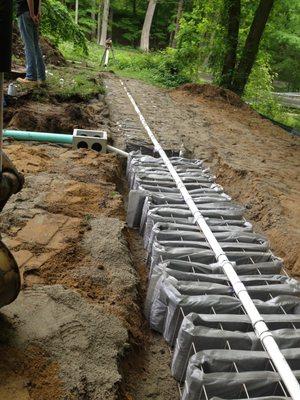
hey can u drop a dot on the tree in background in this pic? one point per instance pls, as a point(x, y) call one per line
point(104, 26)
point(235, 75)
point(282, 42)
point(233, 13)
point(145, 37)
point(250, 50)
point(99, 22)
point(174, 33)
point(76, 11)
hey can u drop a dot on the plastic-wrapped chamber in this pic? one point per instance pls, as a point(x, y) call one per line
point(216, 354)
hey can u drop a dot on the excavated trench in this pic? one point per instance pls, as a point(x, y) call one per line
point(77, 330)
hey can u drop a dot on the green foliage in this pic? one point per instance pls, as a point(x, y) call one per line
point(260, 87)
point(128, 18)
point(162, 68)
point(200, 39)
point(282, 42)
point(87, 8)
point(58, 25)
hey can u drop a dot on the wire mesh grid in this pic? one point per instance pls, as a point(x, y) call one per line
point(279, 388)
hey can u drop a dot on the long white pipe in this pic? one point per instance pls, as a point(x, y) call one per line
point(257, 320)
point(117, 151)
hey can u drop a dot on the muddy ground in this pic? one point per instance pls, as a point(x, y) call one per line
point(76, 331)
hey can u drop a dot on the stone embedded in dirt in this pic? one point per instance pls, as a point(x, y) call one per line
point(42, 228)
point(22, 256)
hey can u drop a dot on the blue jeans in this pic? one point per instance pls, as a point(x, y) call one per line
point(35, 67)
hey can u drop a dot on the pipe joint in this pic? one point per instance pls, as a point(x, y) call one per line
point(263, 329)
point(267, 333)
point(222, 262)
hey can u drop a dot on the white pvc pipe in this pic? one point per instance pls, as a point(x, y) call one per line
point(118, 151)
point(257, 320)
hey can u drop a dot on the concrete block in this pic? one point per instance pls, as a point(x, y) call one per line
point(88, 139)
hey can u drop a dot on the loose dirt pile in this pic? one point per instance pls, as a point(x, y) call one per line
point(212, 92)
point(53, 115)
point(257, 162)
point(52, 55)
point(66, 228)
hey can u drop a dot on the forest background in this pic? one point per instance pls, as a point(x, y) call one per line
point(249, 46)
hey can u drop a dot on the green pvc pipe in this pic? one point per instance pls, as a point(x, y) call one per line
point(39, 136)
point(51, 138)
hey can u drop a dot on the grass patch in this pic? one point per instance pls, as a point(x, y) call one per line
point(160, 68)
point(67, 83)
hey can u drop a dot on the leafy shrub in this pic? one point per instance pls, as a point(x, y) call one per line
point(259, 88)
point(164, 66)
point(58, 25)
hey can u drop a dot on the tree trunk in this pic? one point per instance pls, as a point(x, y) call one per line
point(76, 11)
point(93, 16)
point(134, 8)
point(177, 26)
point(99, 22)
point(251, 46)
point(145, 37)
point(233, 12)
point(104, 22)
point(110, 25)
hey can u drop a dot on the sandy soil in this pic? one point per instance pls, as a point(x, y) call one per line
point(77, 330)
point(66, 230)
point(255, 161)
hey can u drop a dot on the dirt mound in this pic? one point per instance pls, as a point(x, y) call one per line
point(62, 117)
point(52, 54)
point(213, 92)
point(17, 44)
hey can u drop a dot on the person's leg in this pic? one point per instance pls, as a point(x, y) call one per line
point(27, 27)
point(41, 72)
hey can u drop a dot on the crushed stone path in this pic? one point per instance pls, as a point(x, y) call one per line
point(256, 161)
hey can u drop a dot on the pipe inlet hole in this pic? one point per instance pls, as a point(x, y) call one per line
point(96, 147)
point(82, 145)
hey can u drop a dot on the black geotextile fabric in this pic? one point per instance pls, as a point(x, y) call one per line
point(216, 354)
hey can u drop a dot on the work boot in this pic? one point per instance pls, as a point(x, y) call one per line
point(41, 83)
point(27, 82)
